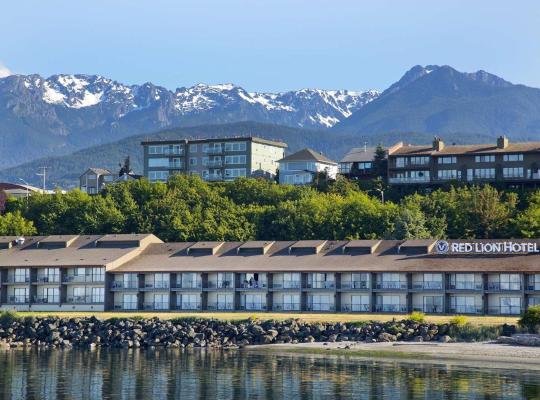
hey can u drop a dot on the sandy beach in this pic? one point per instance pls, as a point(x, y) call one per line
point(480, 353)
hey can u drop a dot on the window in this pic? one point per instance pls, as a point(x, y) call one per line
point(420, 176)
point(52, 275)
point(400, 162)
point(433, 304)
point(130, 281)
point(360, 303)
point(155, 149)
point(241, 159)
point(513, 172)
point(235, 172)
point(20, 295)
point(419, 160)
point(298, 179)
point(176, 149)
point(192, 148)
point(252, 302)
point(189, 301)
point(447, 174)
point(510, 281)
point(485, 158)
point(98, 274)
point(98, 295)
point(465, 282)
point(193, 161)
point(345, 168)
point(433, 281)
point(291, 302)
point(129, 302)
point(388, 303)
point(79, 295)
point(319, 302)
point(22, 275)
point(300, 166)
point(510, 305)
point(212, 148)
point(320, 280)
point(158, 162)
point(190, 280)
point(447, 160)
point(224, 302)
point(161, 301)
point(513, 157)
point(225, 280)
point(365, 165)
point(51, 295)
point(161, 281)
point(235, 146)
point(291, 280)
point(175, 163)
point(484, 173)
point(463, 304)
point(158, 175)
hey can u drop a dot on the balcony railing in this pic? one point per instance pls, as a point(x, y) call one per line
point(213, 177)
point(253, 285)
point(321, 285)
point(176, 165)
point(466, 285)
point(355, 307)
point(47, 299)
point(390, 308)
point(221, 306)
point(501, 286)
point(320, 307)
point(466, 310)
point(188, 285)
point(286, 307)
point(157, 285)
point(355, 285)
point(83, 278)
point(398, 285)
point(431, 285)
point(156, 306)
point(435, 309)
point(120, 285)
point(533, 286)
point(48, 279)
point(18, 300)
point(213, 163)
point(253, 307)
point(84, 300)
point(214, 150)
point(220, 285)
point(286, 285)
point(504, 310)
point(17, 280)
point(188, 306)
point(409, 180)
point(126, 306)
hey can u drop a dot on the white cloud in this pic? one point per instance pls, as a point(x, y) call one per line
point(4, 71)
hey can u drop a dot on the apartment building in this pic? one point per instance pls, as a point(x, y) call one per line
point(301, 167)
point(511, 164)
point(218, 159)
point(140, 272)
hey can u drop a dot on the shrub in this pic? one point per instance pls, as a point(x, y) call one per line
point(459, 320)
point(530, 320)
point(7, 318)
point(471, 333)
point(417, 316)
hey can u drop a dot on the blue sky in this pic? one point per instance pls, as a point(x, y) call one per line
point(270, 45)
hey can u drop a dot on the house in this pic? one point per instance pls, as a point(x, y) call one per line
point(301, 167)
point(93, 180)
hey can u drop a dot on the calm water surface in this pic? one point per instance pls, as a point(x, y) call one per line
point(168, 374)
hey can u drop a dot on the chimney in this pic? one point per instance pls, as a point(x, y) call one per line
point(502, 142)
point(438, 144)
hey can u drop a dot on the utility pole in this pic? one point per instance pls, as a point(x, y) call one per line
point(43, 174)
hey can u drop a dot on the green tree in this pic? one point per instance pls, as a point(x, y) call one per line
point(14, 224)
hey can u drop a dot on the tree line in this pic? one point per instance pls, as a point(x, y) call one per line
point(189, 209)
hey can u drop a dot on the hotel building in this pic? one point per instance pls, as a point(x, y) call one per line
point(218, 159)
point(141, 273)
point(511, 164)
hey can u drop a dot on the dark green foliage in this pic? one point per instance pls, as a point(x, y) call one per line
point(530, 319)
point(7, 318)
point(474, 333)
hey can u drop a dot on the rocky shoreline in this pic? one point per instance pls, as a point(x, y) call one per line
point(90, 332)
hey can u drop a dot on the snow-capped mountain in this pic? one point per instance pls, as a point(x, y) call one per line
point(63, 113)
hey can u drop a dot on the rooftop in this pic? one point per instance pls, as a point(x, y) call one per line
point(308, 155)
point(471, 149)
point(217, 139)
point(359, 154)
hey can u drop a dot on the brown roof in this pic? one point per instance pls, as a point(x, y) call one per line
point(308, 155)
point(472, 149)
point(359, 154)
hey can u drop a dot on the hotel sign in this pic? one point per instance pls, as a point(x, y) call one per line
point(504, 247)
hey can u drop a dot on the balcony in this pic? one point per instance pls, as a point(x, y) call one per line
point(213, 177)
point(321, 285)
point(83, 279)
point(220, 285)
point(120, 285)
point(287, 285)
point(221, 306)
point(157, 286)
point(176, 165)
point(214, 150)
point(13, 280)
point(255, 285)
point(466, 310)
point(47, 299)
point(431, 285)
point(156, 306)
point(213, 163)
point(466, 285)
point(394, 285)
point(253, 307)
point(188, 285)
point(434, 309)
point(84, 300)
point(355, 307)
point(409, 180)
point(286, 307)
point(504, 286)
point(44, 279)
point(324, 307)
point(126, 306)
point(504, 310)
point(357, 285)
point(390, 308)
point(18, 300)
point(533, 286)
point(188, 306)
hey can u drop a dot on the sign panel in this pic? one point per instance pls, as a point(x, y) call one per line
point(495, 247)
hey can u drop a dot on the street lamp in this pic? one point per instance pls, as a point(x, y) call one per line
point(27, 193)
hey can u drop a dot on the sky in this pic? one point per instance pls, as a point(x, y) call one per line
point(269, 45)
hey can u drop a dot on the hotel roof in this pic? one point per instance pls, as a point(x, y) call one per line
point(472, 149)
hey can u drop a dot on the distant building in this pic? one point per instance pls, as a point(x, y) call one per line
point(301, 167)
point(508, 163)
point(358, 163)
point(17, 190)
point(93, 180)
point(217, 159)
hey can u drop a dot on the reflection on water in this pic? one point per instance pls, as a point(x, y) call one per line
point(169, 374)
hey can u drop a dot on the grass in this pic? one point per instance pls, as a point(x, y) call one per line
point(231, 316)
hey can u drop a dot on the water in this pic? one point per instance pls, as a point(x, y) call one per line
point(168, 374)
